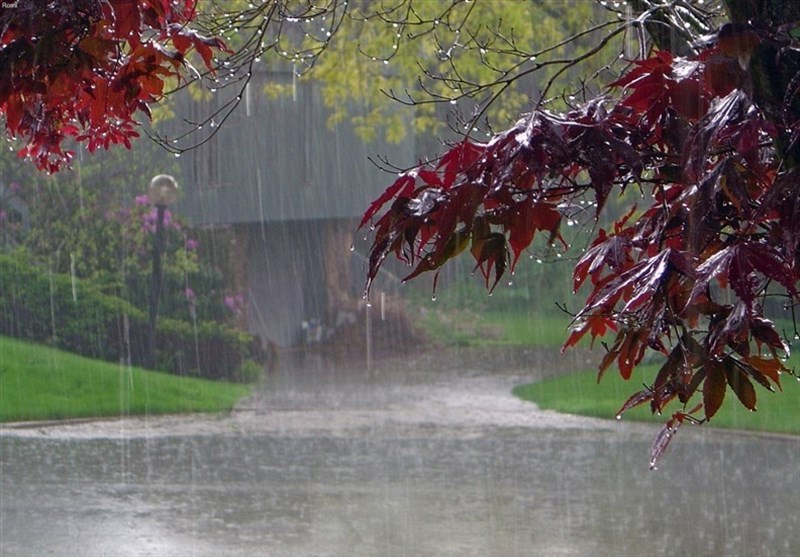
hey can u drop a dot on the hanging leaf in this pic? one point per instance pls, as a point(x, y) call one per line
point(741, 385)
point(714, 387)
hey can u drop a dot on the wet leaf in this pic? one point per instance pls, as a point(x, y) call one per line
point(742, 386)
point(663, 438)
point(714, 387)
point(636, 399)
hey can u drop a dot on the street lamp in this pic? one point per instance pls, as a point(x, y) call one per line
point(163, 191)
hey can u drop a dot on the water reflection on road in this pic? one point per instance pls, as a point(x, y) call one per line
point(416, 459)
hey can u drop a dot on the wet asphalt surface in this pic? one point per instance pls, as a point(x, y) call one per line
point(427, 455)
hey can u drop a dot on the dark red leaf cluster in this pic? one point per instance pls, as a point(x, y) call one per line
point(83, 68)
point(686, 276)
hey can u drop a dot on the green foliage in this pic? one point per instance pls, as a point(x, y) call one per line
point(94, 221)
point(75, 315)
point(440, 47)
point(536, 285)
point(249, 371)
point(205, 349)
point(85, 220)
point(41, 383)
point(44, 306)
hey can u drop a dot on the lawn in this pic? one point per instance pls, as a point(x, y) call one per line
point(459, 327)
point(41, 383)
point(579, 393)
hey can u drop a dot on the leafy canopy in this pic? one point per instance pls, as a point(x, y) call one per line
point(687, 271)
point(82, 69)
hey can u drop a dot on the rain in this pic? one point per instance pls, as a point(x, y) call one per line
point(361, 425)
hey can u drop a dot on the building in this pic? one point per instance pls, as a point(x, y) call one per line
point(292, 189)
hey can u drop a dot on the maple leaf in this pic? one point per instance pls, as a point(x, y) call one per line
point(85, 69)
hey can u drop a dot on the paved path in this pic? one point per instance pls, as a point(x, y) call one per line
point(424, 456)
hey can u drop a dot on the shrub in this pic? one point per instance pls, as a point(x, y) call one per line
point(74, 315)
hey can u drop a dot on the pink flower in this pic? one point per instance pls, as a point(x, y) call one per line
point(142, 200)
point(192, 245)
point(235, 303)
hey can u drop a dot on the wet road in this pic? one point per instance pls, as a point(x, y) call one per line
point(429, 456)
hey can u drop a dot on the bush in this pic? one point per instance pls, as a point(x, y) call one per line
point(74, 315)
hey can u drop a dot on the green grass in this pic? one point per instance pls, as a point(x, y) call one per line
point(494, 328)
point(41, 383)
point(579, 393)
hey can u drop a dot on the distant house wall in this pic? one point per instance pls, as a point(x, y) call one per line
point(286, 283)
point(292, 187)
point(278, 160)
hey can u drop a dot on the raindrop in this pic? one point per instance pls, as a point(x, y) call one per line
point(352, 247)
point(177, 155)
point(618, 416)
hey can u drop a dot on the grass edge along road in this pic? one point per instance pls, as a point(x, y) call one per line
point(580, 393)
point(42, 383)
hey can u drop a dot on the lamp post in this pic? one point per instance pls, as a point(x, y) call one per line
point(163, 191)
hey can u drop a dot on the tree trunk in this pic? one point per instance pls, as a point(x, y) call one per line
point(774, 72)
